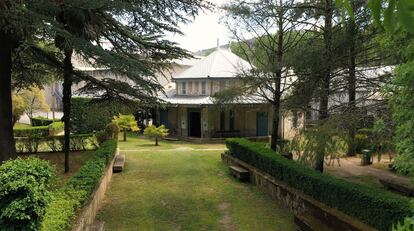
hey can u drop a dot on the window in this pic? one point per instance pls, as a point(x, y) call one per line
point(222, 120)
point(183, 88)
point(231, 120)
point(203, 88)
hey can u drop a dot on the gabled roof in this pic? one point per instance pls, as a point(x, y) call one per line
point(219, 64)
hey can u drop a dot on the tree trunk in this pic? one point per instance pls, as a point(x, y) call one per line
point(351, 34)
point(277, 80)
point(156, 141)
point(7, 146)
point(67, 95)
point(125, 134)
point(319, 162)
point(326, 76)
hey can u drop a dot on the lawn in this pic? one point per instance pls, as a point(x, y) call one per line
point(183, 186)
point(138, 142)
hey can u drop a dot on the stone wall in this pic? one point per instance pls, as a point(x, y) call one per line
point(306, 209)
point(87, 216)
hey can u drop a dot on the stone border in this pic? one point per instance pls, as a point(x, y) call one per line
point(89, 212)
point(301, 204)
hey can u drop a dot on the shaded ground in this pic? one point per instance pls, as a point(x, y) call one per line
point(352, 170)
point(185, 189)
point(76, 160)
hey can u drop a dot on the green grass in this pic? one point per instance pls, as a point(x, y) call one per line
point(185, 190)
point(139, 142)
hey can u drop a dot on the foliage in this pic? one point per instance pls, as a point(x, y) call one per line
point(55, 128)
point(34, 144)
point(156, 132)
point(42, 121)
point(371, 205)
point(112, 130)
point(402, 104)
point(62, 209)
point(406, 225)
point(89, 115)
point(19, 107)
point(126, 122)
point(24, 195)
point(101, 136)
point(393, 15)
point(39, 131)
point(35, 101)
point(76, 192)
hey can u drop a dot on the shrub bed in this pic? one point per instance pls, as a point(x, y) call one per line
point(76, 192)
point(39, 131)
point(373, 206)
point(81, 142)
point(42, 121)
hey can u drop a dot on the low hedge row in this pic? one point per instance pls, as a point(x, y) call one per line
point(39, 131)
point(76, 192)
point(373, 206)
point(55, 128)
point(81, 142)
point(42, 121)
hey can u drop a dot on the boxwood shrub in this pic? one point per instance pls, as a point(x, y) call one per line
point(372, 206)
point(76, 192)
point(42, 121)
point(24, 193)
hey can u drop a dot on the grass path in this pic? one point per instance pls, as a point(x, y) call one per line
point(185, 190)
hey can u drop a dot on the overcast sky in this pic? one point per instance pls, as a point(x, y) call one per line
point(203, 32)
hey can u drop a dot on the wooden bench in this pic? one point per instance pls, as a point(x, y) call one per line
point(400, 187)
point(240, 173)
point(119, 163)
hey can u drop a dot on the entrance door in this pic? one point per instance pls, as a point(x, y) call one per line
point(194, 123)
point(164, 118)
point(261, 124)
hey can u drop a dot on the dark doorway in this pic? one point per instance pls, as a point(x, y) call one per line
point(261, 124)
point(194, 123)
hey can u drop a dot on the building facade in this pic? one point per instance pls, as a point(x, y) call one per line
point(191, 111)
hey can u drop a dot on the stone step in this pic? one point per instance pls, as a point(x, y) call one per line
point(309, 223)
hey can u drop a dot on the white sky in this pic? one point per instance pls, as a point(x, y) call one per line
point(203, 32)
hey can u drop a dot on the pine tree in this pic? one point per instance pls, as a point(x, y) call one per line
point(126, 37)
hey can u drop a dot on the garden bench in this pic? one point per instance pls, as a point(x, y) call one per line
point(119, 163)
point(401, 187)
point(240, 173)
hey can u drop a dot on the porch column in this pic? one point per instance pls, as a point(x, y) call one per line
point(204, 122)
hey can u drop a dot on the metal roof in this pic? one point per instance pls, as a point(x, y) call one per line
point(208, 100)
point(219, 64)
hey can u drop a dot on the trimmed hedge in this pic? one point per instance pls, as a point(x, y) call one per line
point(39, 131)
point(81, 142)
point(373, 206)
point(24, 195)
point(89, 115)
point(76, 192)
point(56, 128)
point(42, 121)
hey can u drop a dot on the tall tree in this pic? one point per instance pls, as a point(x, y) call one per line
point(126, 38)
point(265, 33)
